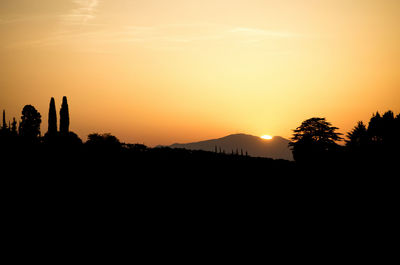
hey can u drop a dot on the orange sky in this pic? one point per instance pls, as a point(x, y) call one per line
point(159, 72)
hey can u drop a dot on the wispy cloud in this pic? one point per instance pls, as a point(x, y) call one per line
point(192, 33)
point(170, 33)
point(24, 19)
point(84, 11)
point(164, 37)
point(263, 32)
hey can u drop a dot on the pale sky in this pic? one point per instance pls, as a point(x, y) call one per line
point(160, 72)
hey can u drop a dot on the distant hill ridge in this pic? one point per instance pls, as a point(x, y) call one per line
point(276, 148)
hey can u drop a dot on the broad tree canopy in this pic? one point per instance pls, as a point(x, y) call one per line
point(313, 139)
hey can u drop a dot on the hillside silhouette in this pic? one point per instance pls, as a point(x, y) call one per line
point(276, 148)
point(61, 171)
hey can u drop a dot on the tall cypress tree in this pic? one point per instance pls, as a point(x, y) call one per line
point(52, 129)
point(4, 120)
point(64, 117)
point(14, 127)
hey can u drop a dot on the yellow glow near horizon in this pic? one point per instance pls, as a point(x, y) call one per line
point(267, 137)
point(160, 72)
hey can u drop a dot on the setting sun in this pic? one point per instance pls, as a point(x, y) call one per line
point(266, 137)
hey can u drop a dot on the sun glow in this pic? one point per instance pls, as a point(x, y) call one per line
point(266, 137)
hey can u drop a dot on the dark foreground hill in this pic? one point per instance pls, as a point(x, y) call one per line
point(137, 161)
point(160, 185)
point(276, 148)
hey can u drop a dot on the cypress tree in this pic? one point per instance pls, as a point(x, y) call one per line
point(14, 127)
point(4, 120)
point(52, 129)
point(64, 117)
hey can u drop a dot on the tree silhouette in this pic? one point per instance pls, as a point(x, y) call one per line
point(52, 122)
point(64, 117)
point(30, 123)
point(388, 124)
point(375, 128)
point(358, 137)
point(313, 140)
point(379, 143)
point(103, 142)
point(384, 132)
point(4, 120)
point(14, 127)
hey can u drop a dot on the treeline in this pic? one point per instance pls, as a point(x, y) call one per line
point(60, 148)
point(27, 133)
point(316, 141)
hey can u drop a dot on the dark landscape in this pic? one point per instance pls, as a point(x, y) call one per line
point(199, 131)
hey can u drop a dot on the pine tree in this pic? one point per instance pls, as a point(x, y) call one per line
point(52, 128)
point(64, 117)
point(358, 137)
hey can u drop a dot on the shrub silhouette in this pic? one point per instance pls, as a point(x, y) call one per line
point(103, 142)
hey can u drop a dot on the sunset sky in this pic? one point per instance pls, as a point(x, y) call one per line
point(160, 72)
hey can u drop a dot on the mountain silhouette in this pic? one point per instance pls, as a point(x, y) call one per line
point(276, 148)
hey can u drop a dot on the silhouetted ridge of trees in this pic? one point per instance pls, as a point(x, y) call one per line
point(315, 143)
point(378, 142)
